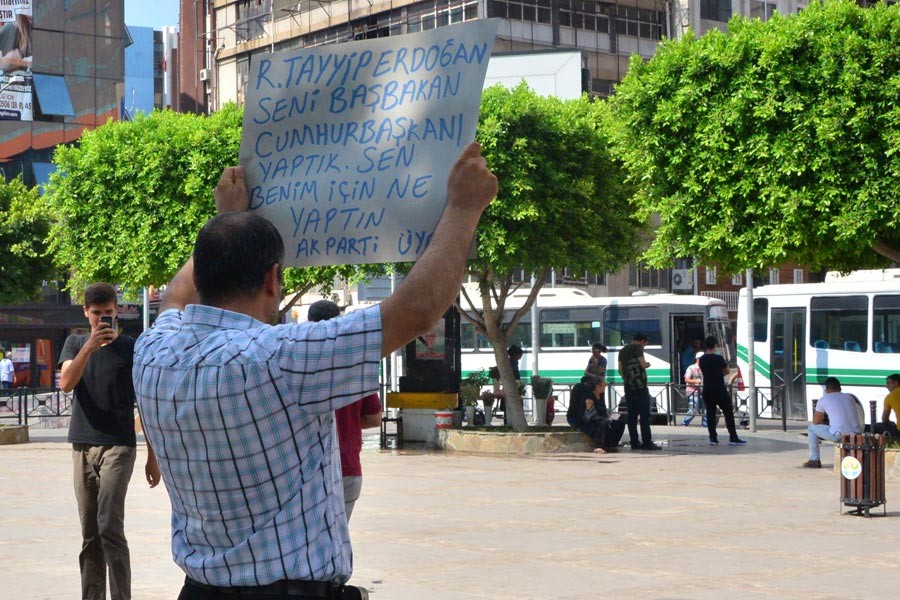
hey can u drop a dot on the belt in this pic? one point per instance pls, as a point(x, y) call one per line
point(326, 590)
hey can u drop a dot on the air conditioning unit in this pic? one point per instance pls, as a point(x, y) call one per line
point(204, 74)
point(682, 279)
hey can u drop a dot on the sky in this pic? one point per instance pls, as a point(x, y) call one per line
point(151, 13)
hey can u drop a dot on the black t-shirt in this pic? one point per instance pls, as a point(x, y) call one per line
point(635, 375)
point(103, 410)
point(713, 368)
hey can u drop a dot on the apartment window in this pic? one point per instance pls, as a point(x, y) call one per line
point(428, 15)
point(588, 16)
point(762, 10)
point(243, 76)
point(737, 280)
point(774, 277)
point(602, 87)
point(710, 276)
point(715, 10)
point(53, 95)
point(251, 18)
point(798, 275)
point(637, 22)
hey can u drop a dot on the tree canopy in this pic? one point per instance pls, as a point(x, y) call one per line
point(130, 198)
point(772, 142)
point(24, 224)
point(561, 203)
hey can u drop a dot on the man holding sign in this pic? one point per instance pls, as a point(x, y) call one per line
point(241, 411)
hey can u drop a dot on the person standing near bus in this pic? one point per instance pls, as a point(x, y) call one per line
point(715, 393)
point(693, 379)
point(596, 367)
point(633, 369)
point(891, 403)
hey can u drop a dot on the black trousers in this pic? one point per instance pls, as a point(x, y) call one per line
point(280, 590)
point(721, 400)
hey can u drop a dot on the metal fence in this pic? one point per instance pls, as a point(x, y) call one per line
point(40, 407)
point(670, 401)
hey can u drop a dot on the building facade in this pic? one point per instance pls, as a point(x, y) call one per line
point(76, 75)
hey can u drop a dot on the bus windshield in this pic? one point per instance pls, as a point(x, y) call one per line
point(721, 329)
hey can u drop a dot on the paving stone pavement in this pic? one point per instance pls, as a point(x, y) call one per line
point(688, 522)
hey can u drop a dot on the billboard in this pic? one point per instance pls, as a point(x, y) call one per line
point(15, 60)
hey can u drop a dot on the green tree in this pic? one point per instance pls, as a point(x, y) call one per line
point(773, 142)
point(131, 197)
point(561, 203)
point(24, 223)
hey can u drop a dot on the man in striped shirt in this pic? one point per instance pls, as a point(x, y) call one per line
point(240, 412)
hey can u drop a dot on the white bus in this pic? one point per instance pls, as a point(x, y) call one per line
point(571, 321)
point(847, 327)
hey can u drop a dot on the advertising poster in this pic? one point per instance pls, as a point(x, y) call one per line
point(15, 60)
point(348, 146)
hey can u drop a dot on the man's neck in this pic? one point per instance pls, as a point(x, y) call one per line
point(251, 307)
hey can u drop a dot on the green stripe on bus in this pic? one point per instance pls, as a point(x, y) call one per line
point(563, 377)
point(760, 366)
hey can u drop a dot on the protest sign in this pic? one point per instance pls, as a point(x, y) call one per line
point(347, 147)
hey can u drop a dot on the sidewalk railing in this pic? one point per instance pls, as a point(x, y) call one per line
point(35, 406)
point(670, 401)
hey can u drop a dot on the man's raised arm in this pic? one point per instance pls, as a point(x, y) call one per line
point(231, 196)
point(434, 280)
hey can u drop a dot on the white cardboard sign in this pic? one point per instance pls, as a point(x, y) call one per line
point(347, 147)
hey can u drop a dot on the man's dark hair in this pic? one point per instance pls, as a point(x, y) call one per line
point(99, 293)
point(832, 383)
point(600, 347)
point(640, 337)
point(895, 377)
point(232, 253)
point(711, 342)
point(514, 350)
point(322, 310)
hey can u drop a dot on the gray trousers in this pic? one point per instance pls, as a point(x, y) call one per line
point(352, 488)
point(102, 474)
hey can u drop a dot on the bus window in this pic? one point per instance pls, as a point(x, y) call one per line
point(887, 324)
point(841, 322)
point(521, 336)
point(621, 323)
point(466, 335)
point(569, 328)
point(760, 319)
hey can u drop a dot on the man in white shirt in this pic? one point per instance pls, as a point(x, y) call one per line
point(7, 371)
point(840, 409)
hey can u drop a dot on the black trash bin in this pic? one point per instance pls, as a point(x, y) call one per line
point(862, 472)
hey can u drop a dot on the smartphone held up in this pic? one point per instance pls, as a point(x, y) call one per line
point(109, 320)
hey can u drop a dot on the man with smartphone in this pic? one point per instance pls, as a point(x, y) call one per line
point(97, 367)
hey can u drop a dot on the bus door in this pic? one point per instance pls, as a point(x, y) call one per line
point(685, 329)
point(788, 360)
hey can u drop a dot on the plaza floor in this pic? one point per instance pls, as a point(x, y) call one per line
point(688, 522)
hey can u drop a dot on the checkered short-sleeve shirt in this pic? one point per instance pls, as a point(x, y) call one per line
point(240, 415)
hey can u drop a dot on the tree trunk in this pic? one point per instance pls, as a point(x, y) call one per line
point(515, 412)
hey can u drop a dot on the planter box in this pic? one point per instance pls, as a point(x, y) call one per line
point(13, 434)
point(509, 443)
